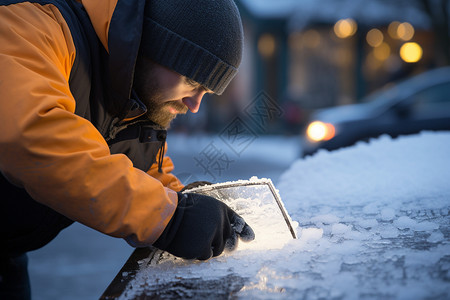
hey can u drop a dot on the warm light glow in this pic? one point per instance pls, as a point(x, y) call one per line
point(319, 131)
point(405, 31)
point(345, 28)
point(374, 37)
point(392, 29)
point(266, 45)
point(411, 52)
point(382, 52)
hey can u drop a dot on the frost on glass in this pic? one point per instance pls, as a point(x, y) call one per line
point(258, 202)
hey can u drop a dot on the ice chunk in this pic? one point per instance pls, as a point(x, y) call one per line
point(426, 226)
point(368, 223)
point(405, 222)
point(436, 237)
point(325, 219)
point(387, 214)
point(311, 234)
point(388, 232)
point(370, 209)
point(339, 229)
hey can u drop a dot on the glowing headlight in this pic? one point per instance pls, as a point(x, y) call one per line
point(319, 131)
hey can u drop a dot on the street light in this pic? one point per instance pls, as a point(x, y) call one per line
point(392, 29)
point(345, 28)
point(411, 52)
point(374, 37)
point(405, 31)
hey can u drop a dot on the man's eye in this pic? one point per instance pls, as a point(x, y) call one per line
point(191, 82)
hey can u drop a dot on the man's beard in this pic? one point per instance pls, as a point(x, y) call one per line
point(160, 112)
point(158, 108)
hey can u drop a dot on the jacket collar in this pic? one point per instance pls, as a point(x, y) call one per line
point(118, 25)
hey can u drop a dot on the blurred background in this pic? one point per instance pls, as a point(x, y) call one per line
point(304, 61)
point(307, 55)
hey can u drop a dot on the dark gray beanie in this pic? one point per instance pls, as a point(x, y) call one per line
point(200, 39)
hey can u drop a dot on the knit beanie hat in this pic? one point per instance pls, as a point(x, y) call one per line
point(199, 39)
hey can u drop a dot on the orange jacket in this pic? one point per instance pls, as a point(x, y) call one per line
point(59, 157)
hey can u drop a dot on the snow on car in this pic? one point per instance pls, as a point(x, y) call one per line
point(373, 223)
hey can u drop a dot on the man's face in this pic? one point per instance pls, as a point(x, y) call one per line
point(166, 93)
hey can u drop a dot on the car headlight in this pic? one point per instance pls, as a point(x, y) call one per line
point(318, 131)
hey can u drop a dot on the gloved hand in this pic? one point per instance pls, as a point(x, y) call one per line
point(195, 184)
point(202, 227)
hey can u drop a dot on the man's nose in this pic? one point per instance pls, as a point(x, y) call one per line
point(193, 102)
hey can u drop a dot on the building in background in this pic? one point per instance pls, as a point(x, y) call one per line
point(342, 50)
point(303, 55)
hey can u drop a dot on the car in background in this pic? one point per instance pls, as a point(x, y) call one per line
point(419, 103)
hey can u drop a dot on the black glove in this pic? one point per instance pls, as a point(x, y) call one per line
point(202, 227)
point(195, 184)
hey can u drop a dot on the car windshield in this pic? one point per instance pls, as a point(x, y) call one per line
point(383, 97)
point(393, 93)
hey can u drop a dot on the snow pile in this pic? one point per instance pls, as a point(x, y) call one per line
point(373, 224)
point(384, 209)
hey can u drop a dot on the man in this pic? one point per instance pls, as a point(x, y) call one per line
point(87, 91)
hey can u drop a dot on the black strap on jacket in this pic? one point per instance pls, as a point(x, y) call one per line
point(143, 131)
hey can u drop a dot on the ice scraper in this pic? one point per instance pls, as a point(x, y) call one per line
point(259, 203)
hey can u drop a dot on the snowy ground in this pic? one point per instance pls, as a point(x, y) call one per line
point(374, 223)
point(80, 263)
